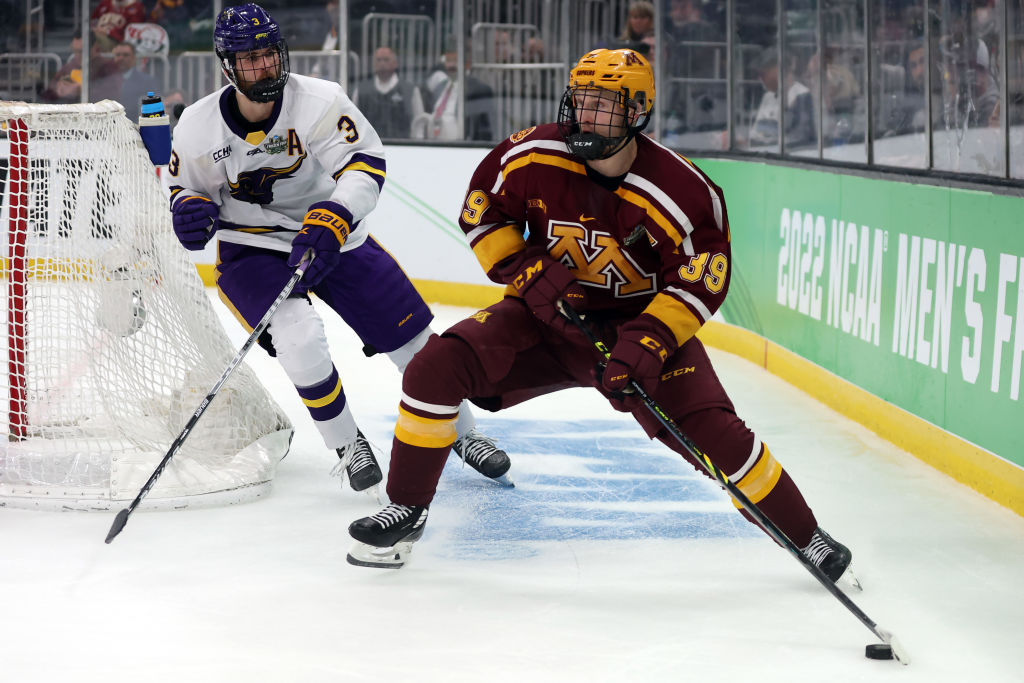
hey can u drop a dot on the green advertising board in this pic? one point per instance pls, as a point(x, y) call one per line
point(912, 292)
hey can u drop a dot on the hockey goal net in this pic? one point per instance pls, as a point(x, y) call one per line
point(112, 339)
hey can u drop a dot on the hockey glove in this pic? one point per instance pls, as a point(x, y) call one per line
point(324, 230)
point(195, 221)
point(643, 346)
point(542, 282)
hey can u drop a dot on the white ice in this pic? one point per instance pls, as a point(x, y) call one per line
point(612, 560)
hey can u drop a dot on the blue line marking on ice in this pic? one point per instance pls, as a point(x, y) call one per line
point(594, 480)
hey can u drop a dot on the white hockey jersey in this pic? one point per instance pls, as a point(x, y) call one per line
point(315, 146)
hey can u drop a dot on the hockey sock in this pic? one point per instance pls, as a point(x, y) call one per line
point(326, 404)
point(433, 386)
point(748, 463)
point(770, 487)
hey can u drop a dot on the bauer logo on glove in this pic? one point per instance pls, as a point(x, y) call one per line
point(327, 219)
point(324, 230)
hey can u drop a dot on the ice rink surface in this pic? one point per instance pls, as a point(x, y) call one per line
point(611, 560)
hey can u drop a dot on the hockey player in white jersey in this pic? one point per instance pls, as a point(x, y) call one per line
point(277, 164)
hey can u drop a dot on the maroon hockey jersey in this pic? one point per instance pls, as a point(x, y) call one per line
point(654, 241)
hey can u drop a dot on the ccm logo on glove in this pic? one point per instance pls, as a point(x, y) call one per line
point(574, 296)
point(542, 282)
point(520, 281)
point(643, 346)
point(656, 346)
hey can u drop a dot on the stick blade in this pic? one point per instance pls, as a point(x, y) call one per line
point(118, 525)
point(898, 651)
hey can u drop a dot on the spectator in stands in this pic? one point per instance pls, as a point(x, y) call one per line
point(110, 18)
point(176, 16)
point(689, 32)
point(12, 15)
point(389, 102)
point(904, 94)
point(66, 85)
point(357, 9)
point(638, 31)
point(444, 90)
point(504, 51)
point(842, 97)
point(970, 91)
point(535, 50)
point(985, 88)
point(799, 119)
point(174, 104)
point(1015, 87)
point(696, 49)
point(331, 39)
point(639, 21)
point(135, 83)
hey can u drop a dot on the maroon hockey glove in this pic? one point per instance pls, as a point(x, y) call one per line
point(324, 230)
point(643, 346)
point(542, 282)
point(195, 221)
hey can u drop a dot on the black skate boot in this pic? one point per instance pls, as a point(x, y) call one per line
point(385, 539)
point(359, 463)
point(483, 456)
point(829, 555)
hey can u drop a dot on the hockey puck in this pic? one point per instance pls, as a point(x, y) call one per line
point(878, 651)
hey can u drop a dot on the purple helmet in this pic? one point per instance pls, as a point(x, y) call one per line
point(244, 28)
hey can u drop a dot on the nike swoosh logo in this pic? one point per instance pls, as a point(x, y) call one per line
point(585, 218)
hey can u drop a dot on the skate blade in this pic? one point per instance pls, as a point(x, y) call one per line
point(374, 492)
point(394, 557)
point(850, 580)
point(503, 480)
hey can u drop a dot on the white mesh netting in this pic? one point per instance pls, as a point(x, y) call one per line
point(112, 340)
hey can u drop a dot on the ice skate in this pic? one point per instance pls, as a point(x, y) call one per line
point(359, 465)
point(384, 540)
point(831, 557)
point(482, 455)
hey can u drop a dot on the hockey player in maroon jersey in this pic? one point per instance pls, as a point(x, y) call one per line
point(591, 212)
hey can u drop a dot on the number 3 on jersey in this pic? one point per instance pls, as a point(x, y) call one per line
point(347, 127)
point(714, 280)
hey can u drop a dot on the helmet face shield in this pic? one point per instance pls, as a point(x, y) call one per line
point(260, 74)
point(609, 100)
point(598, 122)
point(252, 51)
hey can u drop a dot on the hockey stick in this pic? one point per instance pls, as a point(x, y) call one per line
point(767, 524)
point(122, 517)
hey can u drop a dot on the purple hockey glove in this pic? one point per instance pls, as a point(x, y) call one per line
point(195, 221)
point(324, 230)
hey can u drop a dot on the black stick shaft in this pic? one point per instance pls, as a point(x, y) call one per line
point(697, 454)
point(122, 517)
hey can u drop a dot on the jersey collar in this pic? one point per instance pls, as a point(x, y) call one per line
point(238, 125)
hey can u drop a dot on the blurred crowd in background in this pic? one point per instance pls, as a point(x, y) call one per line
point(922, 84)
